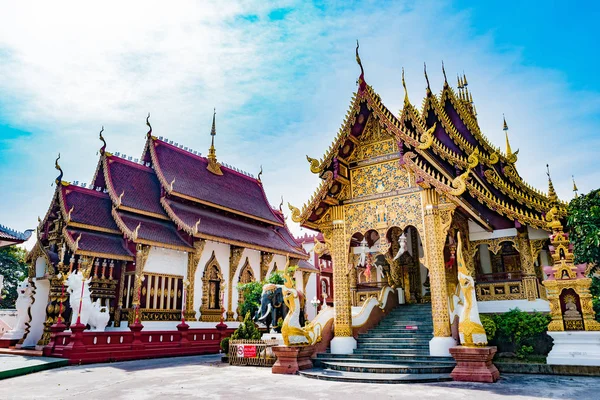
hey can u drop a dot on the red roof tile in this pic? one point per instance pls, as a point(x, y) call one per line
point(98, 242)
point(233, 191)
point(153, 229)
point(138, 183)
point(227, 227)
point(89, 207)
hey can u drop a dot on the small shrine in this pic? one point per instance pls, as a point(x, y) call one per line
point(573, 326)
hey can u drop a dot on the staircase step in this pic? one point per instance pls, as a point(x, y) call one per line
point(343, 376)
point(393, 352)
point(386, 368)
point(397, 335)
point(393, 346)
point(388, 359)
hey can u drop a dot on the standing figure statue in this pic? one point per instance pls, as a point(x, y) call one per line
point(470, 328)
point(93, 314)
point(24, 300)
point(403, 242)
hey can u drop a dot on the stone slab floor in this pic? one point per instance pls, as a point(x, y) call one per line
point(206, 377)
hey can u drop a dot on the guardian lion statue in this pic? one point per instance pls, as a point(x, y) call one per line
point(93, 314)
point(24, 300)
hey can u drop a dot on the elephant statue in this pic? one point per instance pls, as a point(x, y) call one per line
point(272, 306)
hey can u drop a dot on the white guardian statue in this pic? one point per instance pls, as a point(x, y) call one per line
point(24, 300)
point(93, 314)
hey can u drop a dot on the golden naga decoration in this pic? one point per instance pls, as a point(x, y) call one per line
point(60, 175)
point(295, 213)
point(319, 248)
point(315, 165)
point(291, 331)
point(459, 184)
point(426, 139)
point(470, 328)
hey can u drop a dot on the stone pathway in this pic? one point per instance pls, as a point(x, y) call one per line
point(15, 365)
point(206, 377)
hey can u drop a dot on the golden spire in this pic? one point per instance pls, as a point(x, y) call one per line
point(465, 83)
point(58, 179)
point(551, 193)
point(575, 187)
point(213, 165)
point(510, 156)
point(444, 72)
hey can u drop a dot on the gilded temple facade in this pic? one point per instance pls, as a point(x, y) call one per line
point(395, 190)
point(168, 233)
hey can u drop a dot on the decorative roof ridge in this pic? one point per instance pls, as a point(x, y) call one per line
point(509, 190)
point(318, 195)
point(191, 230)
point(73, 244)
point(130, 163)
point(42, 222)
point(199, 157)
point(344, 131)
point(85, 190)
point(16, 234)
point(295, 245)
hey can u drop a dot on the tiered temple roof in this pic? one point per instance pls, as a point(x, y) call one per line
point(166, 200)
point(445, 148)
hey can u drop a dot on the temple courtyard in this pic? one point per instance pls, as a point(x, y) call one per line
point(207, 377)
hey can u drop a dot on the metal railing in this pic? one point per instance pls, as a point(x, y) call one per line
point(500, 277)
point(252, 352)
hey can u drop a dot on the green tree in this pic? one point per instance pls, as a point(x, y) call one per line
point(14, 270)
point(252, 292)
point(583, 220)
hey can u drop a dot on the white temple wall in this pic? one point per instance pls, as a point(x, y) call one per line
point(166, 261)
point(40, 267)
point(535, 233)
point(486, 260)
point(222, 255)
point(476, 232)
point(280, 261)
point(38, 312)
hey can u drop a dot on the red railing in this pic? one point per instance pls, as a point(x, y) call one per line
point(92, 347)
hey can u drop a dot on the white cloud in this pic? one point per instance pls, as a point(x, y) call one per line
point(281, 87)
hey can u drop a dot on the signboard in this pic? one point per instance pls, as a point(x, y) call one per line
point(246, 351)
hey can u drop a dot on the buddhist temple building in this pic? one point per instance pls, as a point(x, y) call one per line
point(171, 231)
point(10, 237)
point(397, 187)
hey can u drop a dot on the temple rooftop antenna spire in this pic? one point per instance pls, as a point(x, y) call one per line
point(149, 133)
point(58, 179)
point(575, 190)
point(213, 165)
point(406, 101)
point(444, 72)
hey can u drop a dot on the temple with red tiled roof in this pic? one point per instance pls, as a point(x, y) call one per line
point(152, 229)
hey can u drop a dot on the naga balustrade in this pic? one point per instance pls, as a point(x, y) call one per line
point(92, 347)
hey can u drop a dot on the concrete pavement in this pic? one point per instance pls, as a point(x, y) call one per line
point(206, 377)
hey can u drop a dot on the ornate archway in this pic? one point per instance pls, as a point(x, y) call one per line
point(246, 276)
point(212, 288)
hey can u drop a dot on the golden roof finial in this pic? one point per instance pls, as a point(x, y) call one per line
point(149, 133)
point(405, 90)
point(465, 83)
point(575, 186)
point(444, 72)
point(460, 84)
point(511, 157)
point(103, 148)
point(58, 179)
point(551, 193)
point(426, 77)
point(213, 165)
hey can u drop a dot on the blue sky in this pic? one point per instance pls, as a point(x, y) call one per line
point(281, 75)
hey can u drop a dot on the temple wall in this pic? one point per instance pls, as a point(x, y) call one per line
point(311, 292)
point(166, 261)
point(221, 252)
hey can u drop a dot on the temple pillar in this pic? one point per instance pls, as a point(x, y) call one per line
point(437, 220)
point(530, 285)
point(265, 261)
point(343, 342)
point(235, 255)
point(141, 256)
point(193, 260)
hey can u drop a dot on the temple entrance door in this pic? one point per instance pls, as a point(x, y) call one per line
point(214, 294)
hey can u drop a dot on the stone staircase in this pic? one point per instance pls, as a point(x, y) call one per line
point(395, 351)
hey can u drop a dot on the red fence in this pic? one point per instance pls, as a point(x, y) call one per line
point(93, 347)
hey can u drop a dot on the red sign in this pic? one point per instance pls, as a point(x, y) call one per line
point(412, 327)
point(246, 351)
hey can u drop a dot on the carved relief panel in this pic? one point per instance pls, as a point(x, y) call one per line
point(378, 178)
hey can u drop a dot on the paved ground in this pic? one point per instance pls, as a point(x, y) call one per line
point(15, 365)
point(206, 377)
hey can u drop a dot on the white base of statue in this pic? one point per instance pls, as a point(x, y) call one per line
point(575, 348)
point(13, 335)
point(273, 336)
point(401, 299)
point(440, 346)
point(343, 345)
